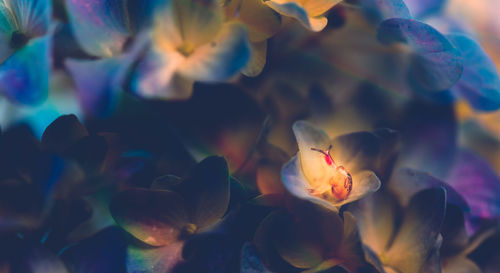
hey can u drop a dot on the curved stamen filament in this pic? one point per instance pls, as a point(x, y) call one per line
point(328, 157)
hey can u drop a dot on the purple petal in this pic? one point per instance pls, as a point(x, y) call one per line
point(436, 65)
point(478, 183)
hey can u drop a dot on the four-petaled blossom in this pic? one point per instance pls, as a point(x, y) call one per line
point(320, 171)
point(401, 238)
point(191, 42)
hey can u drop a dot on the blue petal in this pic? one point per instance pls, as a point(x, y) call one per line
point(24, 77)
point(385, 9)
point(100, 26)
point(436, 64)
point(480, 83)
point(423, 8)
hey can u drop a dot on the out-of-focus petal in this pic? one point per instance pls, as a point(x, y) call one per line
point(418, 232)
point(478, 183)
point(24, 76)
point(407, 182)
point(220, 59)
point(250, 261)
point(38, 260)
point(305, 236)
point(376, 215)
point(206, 191)
point(294, 10)
point(436, 64)
point(100, 26)
point(155, 217)
point(356, 151)
point(62, 133)
point(460, 264)
point(319, 7)
point(385, 9)
point(7, 27)
point(156, 77)
point(154, 260)
point(187, 24)
point(33, 16)
point(423, 8)
point(257, 59)
point(351, 250)
point(96, 83)
point(262, 21)
point(312, 163)
point(480, 82)
point(430, 139)
point(103, 252)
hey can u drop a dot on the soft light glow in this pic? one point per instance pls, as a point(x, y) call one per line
point(339, 180)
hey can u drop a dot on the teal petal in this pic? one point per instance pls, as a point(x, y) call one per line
point(154, 260)
point(24, 77)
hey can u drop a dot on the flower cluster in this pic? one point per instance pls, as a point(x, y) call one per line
point(249, 136)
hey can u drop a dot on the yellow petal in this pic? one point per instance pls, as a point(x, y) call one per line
point(262, 21)
point(313, 164)
point(319, 7)
point(187, 23)
point(222, 58)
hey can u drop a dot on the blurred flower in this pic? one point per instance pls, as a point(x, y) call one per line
point(321, 171)
point(309, 13)
point(170, 212)
point(25, 42)
point(115, 31)
point(191, 42)
point(262, 23)
point(310, 237)
point(401, 239)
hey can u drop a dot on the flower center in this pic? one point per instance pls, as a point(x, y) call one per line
point(340, 180)
point(186, 49)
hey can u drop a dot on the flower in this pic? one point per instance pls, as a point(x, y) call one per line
point(25, 40)
point(409, 246)
point(116, 33)
point(310, 237)
point(329, 172)
point(308, 12)
point(191, 42)
point(170, 212)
